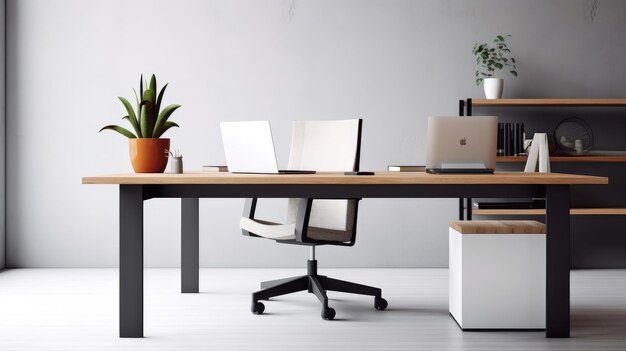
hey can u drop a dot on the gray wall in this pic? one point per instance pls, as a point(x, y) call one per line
point(392, 63)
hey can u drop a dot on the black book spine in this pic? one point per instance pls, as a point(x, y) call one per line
point(503, 131)
point(507, 139)
point(500, 151)
point(522, 136)
point(512, 139)
point(516, 138)
point(503, 136)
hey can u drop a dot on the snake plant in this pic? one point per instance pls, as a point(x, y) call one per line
point(148, 120)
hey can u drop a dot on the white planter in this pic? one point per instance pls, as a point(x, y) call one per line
point(493, 87)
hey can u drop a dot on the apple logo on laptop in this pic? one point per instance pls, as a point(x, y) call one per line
point(463, 142)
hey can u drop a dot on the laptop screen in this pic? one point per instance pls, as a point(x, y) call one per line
point(455, 142)
point(248, 147)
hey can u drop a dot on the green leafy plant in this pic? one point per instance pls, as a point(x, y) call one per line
point(490, 58)
point(148, 120)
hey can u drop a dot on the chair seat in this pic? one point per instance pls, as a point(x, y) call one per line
point(269, 230)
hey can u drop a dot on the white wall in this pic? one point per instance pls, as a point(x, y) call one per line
point(2, 141)
point(392, 63)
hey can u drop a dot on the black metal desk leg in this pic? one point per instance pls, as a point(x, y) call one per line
point(190, 245)
point(131, 261)
point(557, 261)
point(461, 208)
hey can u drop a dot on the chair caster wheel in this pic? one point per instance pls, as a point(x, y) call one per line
point(328, 313)
point(258, 307)
point(380, 303)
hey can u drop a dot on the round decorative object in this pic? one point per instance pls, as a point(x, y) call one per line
point(574, 136)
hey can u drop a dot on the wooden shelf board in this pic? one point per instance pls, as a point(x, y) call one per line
point(584, 158)
point(541, 212)
point(548, 102)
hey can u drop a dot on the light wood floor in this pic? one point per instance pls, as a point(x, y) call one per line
point(76, 309)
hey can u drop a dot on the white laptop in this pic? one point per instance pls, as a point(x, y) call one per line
point(249, 148)
point(461, 144)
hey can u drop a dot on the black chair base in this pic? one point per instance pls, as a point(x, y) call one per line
point(316, 284)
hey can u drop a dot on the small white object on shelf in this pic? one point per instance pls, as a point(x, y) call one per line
point(578, 146)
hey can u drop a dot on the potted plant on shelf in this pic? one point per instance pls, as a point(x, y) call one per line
point(149, 122)
point(492, 58)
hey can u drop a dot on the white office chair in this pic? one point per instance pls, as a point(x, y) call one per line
point(332, 146)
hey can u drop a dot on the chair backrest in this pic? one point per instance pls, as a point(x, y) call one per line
point(332, 146)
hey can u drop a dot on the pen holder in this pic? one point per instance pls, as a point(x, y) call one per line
point(177, 164)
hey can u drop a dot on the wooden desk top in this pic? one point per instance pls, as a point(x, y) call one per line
point(380, 178)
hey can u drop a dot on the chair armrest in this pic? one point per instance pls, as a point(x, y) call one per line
point(302, 220)
point(249, 209)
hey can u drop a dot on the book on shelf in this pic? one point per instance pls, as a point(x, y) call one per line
point(510, 139)
point(406, 168)
point(214, 168)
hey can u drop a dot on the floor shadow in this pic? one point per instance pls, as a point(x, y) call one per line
point(598, 322)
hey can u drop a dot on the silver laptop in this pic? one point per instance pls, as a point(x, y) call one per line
point(461, 144)
point(249, 148)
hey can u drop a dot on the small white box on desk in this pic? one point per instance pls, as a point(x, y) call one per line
point(497, 277)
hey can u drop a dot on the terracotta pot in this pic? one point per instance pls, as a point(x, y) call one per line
point(148, 154)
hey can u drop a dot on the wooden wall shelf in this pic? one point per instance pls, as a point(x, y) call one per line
point(603, 252)
point(581, 159)
point(549, 102)
point(541, 212)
